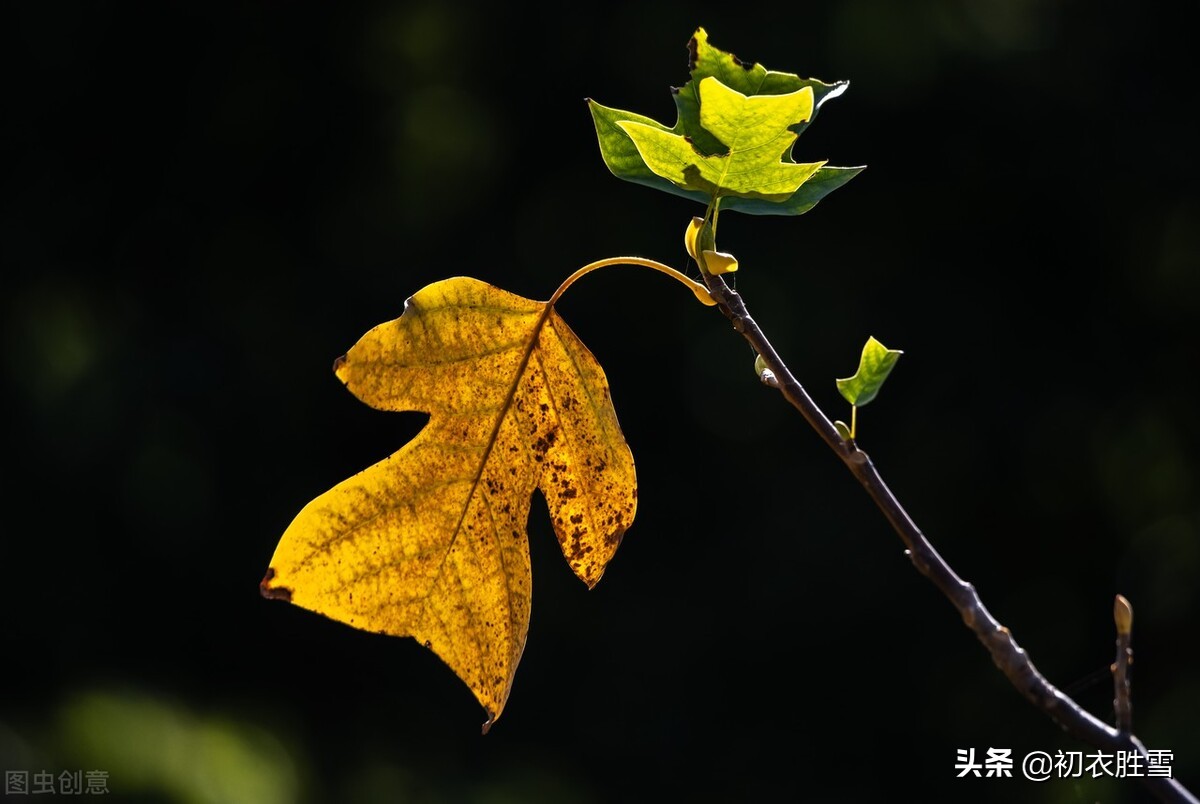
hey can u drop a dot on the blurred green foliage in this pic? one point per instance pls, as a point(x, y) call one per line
point(154, 746)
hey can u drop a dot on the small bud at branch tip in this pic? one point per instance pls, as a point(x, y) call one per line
point(1123, 615)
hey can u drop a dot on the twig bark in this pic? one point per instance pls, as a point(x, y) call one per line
point(1005, 652)
point(1122, 706)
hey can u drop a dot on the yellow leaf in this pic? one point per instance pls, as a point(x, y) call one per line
point(691, 235)
point(431, 542)
point(719, 262)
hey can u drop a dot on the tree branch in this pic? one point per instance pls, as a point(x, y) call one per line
point(1005, 652)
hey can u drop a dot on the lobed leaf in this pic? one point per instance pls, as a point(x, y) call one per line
point(431, 542)
point(755, 133)
point(624, 158)
point(874, 366)
point(706, 61)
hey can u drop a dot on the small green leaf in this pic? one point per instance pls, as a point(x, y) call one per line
point(704, 60)
point(876, 363)
point(624, 160)
point(843, 429)
point(755, 134)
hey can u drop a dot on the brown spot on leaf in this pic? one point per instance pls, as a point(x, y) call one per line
point(273, 592)
point(692, 48)
point(338, 362)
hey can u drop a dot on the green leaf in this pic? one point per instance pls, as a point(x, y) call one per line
point(755, 132)
point(823, 182)
point(876, 363)
point(704, 60)
point(621, 155)
point(623, 158)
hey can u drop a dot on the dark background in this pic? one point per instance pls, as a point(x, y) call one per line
point(204, 204)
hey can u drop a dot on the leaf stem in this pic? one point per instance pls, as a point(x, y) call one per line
point(709, 242)
point(1008, 656)
point(701, 292)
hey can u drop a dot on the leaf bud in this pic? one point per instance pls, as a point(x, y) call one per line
point(719, 262)
point(689, 237)
point(1123, 615)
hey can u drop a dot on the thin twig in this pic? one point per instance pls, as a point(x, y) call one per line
point(1007, 655)
point(1123, 616)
